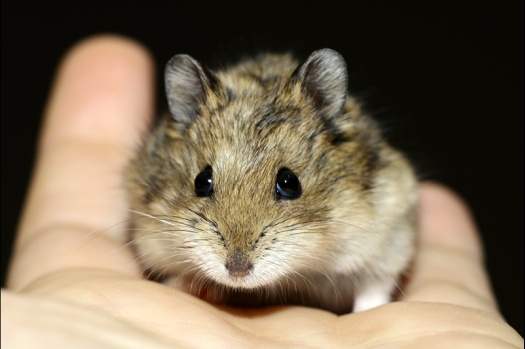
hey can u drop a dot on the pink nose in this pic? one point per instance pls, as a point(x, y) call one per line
point(241, 270)
point(238, 264)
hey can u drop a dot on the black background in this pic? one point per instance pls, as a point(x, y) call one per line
point(444, 78)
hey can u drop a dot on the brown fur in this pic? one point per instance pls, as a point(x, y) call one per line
point(350, 231)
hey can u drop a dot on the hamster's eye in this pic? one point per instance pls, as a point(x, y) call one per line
point(204, 183)
point(287, 185)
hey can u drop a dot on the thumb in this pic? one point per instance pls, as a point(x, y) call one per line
point(448, 267)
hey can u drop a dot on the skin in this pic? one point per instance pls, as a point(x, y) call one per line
point(71, 284)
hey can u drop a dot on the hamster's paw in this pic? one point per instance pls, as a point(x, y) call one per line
point(372, 296)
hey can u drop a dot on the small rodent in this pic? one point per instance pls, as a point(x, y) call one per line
point(269, 184)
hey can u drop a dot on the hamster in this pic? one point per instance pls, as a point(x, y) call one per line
point(268, 184)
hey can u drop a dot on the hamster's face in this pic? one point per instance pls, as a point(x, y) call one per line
point(258, 179)
point(245, 196)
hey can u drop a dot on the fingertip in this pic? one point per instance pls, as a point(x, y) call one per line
point(114, 41)
point(103, 87)
point(440, 189)
point(445, 219)
point(448, 266)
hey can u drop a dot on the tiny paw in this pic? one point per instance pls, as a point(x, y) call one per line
point(369, 300)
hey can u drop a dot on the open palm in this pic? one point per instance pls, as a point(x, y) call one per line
point(72, 284)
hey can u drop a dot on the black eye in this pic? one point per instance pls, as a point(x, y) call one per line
point(204, 183)
point(287, 185)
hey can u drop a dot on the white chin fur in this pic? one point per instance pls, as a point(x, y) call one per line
point(245, 282)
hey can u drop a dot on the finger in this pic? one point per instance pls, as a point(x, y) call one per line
point(449, 260)
point(100, 104)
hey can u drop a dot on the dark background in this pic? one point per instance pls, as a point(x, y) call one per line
point(444, 78)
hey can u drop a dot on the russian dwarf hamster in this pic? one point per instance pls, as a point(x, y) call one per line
point(269, 184)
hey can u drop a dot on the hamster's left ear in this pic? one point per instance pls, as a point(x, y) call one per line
point(323, 76)
point(188, 85)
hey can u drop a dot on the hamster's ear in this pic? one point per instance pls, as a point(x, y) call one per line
point(323, 76)
point(187, 84)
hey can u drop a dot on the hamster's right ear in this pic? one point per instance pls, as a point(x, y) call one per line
point(323, 76)
point(187, 86)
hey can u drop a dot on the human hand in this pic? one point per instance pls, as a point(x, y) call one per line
point(71, 282)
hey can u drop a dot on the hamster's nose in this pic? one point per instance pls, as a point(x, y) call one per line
point(238, 264)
